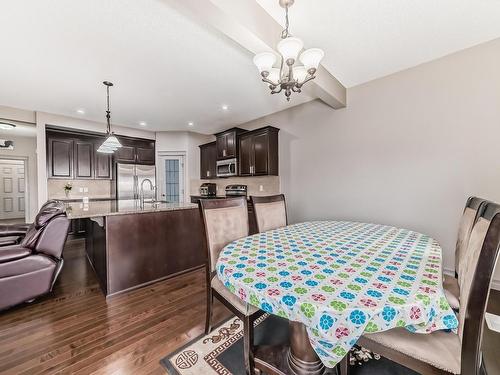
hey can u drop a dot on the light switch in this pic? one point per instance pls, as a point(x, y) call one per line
point(85, 189)
point(261, 187)
point(80, 190)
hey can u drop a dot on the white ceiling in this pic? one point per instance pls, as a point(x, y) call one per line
point(167, 69)
point(368, 39)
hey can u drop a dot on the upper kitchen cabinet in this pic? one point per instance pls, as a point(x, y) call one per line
point(103, 163)
point(73, 155)
point(208, 159)
point(136, 151)
point(258, 152)
point(227, 143)
point(60, 157)
point(84, 158)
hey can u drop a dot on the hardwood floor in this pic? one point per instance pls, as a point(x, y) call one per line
point(76, 330)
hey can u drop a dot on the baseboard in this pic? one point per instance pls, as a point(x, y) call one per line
point(495, 284)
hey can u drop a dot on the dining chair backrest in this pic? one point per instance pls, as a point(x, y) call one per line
point(474, 207)
point(225, 220)
point(270, 212)
point(479, 267)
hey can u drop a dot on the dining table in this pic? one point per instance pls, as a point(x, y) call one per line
point(335, 281)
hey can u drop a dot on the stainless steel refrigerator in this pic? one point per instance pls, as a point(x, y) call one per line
point(129, 179)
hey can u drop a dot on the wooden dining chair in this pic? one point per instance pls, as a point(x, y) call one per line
point(474, 207)
point(443, 352)
point(226, 220)
point(270, 212)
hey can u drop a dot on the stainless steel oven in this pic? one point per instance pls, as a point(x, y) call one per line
point(227, 168)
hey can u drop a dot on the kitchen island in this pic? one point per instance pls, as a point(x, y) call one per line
point(130, 245)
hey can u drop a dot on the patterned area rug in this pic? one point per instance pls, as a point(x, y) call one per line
point(221, 352)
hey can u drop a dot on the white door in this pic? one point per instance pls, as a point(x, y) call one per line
point(171, 178)
point(12, 189)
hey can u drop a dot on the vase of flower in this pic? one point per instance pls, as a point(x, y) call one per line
point(67, 189)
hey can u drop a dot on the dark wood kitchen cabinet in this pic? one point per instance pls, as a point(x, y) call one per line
point(73, 155)
point(258, 152)
point(135, 151)
point(227, 143)
point(60, 157)
point(77, 227)
point(208, 160)
point(103, 165)
point(84, 159)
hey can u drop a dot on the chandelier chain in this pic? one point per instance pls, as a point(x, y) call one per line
point(285, 34)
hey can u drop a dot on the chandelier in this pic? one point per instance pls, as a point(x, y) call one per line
point(111, 144)
point(289, 76)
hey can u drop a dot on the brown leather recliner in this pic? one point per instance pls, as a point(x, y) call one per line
point(30, 268)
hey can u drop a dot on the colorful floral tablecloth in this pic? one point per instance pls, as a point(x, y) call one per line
point(341, 279)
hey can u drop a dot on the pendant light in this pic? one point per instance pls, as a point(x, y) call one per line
point(111, 144)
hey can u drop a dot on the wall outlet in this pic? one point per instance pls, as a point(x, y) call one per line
point(80, 190)
point(85, 189)
point(261, 187)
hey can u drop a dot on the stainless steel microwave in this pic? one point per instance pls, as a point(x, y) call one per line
point(227, 168)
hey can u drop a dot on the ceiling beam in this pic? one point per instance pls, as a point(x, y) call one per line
point(249, 25)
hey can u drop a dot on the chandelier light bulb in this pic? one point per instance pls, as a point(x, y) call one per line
point(274, 75)
point(264, 61)
point(290, 47)
point(299, 73)
point(311, 58)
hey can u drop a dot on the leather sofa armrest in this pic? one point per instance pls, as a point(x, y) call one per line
point(11, 253)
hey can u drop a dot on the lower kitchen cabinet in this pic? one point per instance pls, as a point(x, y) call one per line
point(77, 227)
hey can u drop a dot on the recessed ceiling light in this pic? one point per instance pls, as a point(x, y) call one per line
point(143, 123)
point(190, 123)
point(6, 126)
point(225, 107)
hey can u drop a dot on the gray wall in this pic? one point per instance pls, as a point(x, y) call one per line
point(407, 151)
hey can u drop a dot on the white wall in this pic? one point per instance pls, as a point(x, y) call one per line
point(25, 147)
point(407, 151)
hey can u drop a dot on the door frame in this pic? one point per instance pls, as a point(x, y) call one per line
point(25, 160)
point(183, 156)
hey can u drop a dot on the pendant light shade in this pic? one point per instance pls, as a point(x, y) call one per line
point(264, 61)
point(290, 48)
point(106, 150)
point(311, 58)
point(112, 142)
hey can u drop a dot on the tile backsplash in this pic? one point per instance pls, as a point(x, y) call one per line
point(95, 189)
point(265, 185)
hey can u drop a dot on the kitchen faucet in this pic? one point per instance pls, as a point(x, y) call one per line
point(152, 187)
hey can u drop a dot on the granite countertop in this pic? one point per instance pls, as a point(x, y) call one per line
point(99, 208)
